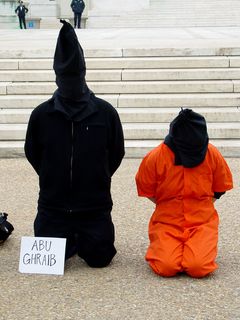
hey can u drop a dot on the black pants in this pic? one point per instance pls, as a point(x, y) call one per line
point(77, 20)
point(91, 236)
point(22, 22)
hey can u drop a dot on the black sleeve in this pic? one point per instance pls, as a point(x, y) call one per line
point(31, 147)
point(116, 150)
point(26, 9)
point(16, 10)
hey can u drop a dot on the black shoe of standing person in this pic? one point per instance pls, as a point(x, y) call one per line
point(6, 228)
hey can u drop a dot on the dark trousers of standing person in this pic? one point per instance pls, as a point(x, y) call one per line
point(77, 20)
point(22, 22)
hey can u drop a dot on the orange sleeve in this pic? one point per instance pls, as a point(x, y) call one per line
point(146, 176)
point(222, 176)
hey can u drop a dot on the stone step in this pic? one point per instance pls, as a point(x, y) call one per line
point(49, 23)
point(190, 100)
point(158, 17)
point(127, 75)
point(177, 49)
point(12, 116)
point(140, 63)
point(8, 21)
point(136, 131)
point(132, 63)
point(160, 115)
point(49, 75)
point(181, 74)
point(128, 63)
point(197, 86)
point(170, 13)
point(164, 15)
point(9, 64)
point(139, 148)
point(173, 48)
point(165, 87)
point(3, 87)
point(161, 21)
point(138, 115)
point(31, 101)
point(177, 11)
point(133, 148)
point(22, 101)
point(8, 25)
point(149, 131)
point(193, 4)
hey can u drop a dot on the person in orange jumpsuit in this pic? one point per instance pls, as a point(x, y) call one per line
point(183, 176)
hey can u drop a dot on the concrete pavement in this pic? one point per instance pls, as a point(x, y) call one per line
point(127, 289)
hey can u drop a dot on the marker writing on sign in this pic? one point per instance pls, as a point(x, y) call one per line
point(42, 259)
point(40, 245)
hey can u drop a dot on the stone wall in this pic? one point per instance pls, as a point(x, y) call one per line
point(43, 8)
point(61, 8)
point(65, 10)
point(7, 14)
point(7, 7)
point(118, 6)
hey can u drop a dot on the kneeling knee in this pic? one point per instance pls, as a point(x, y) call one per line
point(200, 269)
point(100, 258)
point(164, 268)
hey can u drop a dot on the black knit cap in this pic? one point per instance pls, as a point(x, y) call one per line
point(69, 65)
point(188, 138)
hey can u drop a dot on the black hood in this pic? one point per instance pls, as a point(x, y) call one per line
point(188, 138)
point(70, 69)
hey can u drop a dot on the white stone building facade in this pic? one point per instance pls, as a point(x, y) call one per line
point(128, 13)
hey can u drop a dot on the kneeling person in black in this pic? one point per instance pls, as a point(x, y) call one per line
point(75, 144)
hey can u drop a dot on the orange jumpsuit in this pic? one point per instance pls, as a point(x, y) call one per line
point(183, 230)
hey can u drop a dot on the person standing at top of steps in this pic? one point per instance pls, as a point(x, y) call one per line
point(21, 11)
point(184, 176)
point(75, 143)
point(77, 7)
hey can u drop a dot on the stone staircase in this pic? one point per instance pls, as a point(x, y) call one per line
point(147, 91)
point(8, 18)
point(9, 22)
point(171, 13)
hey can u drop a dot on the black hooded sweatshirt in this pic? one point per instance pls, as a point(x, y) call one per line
point(74, 141)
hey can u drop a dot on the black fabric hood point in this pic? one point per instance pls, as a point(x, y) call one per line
point(188, 138)
point(69, 65)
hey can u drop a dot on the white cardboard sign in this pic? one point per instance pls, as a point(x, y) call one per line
point(42, 255)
